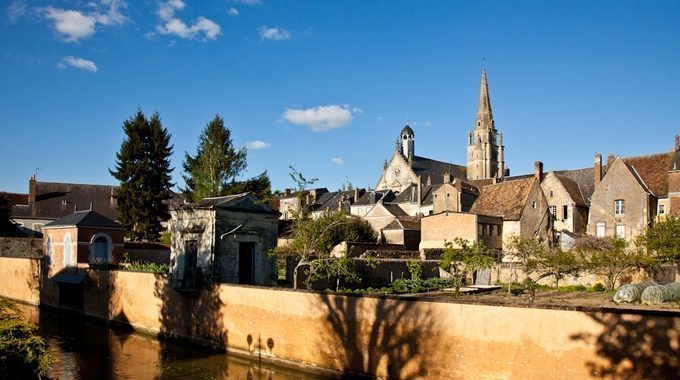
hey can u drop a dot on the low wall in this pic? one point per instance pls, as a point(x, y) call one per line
point(21, 247)
point(391, 337)
point(19, 279)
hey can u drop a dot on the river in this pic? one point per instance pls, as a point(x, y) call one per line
point(87, 349)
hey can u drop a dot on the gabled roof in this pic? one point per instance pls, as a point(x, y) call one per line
point(573, 189)
point(54, 200)
point(506, 199)
point(365, 199)
point(331, 201)
point(584, 178)
point(404, 223)
point(87, 218)
point(16, 198)
point(653, 171)
point(394, 209)
point(244, 202)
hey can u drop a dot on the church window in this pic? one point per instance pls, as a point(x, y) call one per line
point(551, 193)
point(553, 211)
point(565, 212)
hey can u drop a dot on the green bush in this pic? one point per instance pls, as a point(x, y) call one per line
point(598, 287)
point(147, 267)
point(23, 353)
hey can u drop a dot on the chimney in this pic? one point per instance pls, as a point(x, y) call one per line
point(447, 177)
point(538, 171)
point(420, 191)
point(677, 143)
point(286, 192)
point(31, 195)
point(610, 159)
point(598, 169)
point(356, 194)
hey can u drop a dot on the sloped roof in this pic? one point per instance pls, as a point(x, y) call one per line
point(425, 167)
point(244, 202)
point(584, 178)
point(506, 199)
point(675, 161)
point(404, 223)
point(332, 200)
point(15, 198)
point(573, 189)
point(394, 209)
point(54, 200)
point(87, 218)
point(365, 199)
point(653, 170)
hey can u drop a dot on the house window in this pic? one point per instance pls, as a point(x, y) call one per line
point(621, 231)
point(662, 209)
point(68, 259)
point(600, 229)
point(100, 249)
point(619, 207)
point(533, 204)
point(48, 252)
point(565, 212)
point(553, 211)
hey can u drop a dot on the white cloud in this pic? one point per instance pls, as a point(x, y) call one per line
point(74, 25)
point(427, 124)
point(79, 63)
point(16, 10)
point(321, 118)
point(257, 144)
point(249, 2)
point(173, 25)
point(337, 161)
point(275, 34)
point(232, 12)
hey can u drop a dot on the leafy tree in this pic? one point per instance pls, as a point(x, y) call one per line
point(24, 353)
point(463, 258)
point(143, 169)
point(259, 186)
point(611, 258)
point(6, 226)
point(215, 165)
point(663, 240)
point(315, 238)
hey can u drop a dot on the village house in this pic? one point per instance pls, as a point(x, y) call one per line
point(291, 202)
point(673, 182)
point(446, 226)
point(223, 240)
point(630, 195)
point(522, 206)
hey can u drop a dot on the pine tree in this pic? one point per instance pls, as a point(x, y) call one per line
point(259, 186)
point(143, 169)
point(216, 163)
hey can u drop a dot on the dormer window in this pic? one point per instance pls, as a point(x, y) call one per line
point(619, 207)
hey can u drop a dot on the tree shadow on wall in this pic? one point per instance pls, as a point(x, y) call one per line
point(635, 346)
point(382, 337)
point(194, 318)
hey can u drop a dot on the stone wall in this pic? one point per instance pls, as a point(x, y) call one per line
point(19, 278)
point(392, 337)
point(21, 247)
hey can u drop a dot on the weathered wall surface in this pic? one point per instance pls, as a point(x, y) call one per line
point(20, 247)
point(19, 279)
point(393, 337)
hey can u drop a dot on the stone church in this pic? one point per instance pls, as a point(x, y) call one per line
point(484, 155)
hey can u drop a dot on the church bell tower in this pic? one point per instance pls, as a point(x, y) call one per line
point(485, 143)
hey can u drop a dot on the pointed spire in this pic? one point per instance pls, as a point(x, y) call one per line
point(484, 114)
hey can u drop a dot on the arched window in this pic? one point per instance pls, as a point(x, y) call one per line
point(68, 259)
point(100, 248)
point(48, 252)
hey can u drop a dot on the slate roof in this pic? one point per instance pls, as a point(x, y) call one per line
point(15, 198)
point(244, 202)
point(365, 199)
point(584, 178)
point(332, 200)
point(404, 223)
point(653, 170)
point(394, 209)
point(573, 189)
point(425, 167)
point(54, 200)
point(87, 218)
point(506, 199)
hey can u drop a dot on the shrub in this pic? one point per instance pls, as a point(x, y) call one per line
point(23, 353)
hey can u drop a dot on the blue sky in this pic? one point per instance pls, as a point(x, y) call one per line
point(326, 86)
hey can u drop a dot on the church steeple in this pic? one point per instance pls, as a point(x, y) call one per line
point(484, 114)
point(485, 151)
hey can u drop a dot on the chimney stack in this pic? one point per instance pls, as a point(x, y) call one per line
point(356, 194)
point(286, 192)
point(598, 169)
point(447, 177)
point(31, 195)
point(677, 143)
point(610, 159)
point(538, 171)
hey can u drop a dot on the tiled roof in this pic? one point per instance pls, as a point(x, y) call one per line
point(331, 201)
point(54, 200)
point(573, 189)
point(506, 199)
point(86, 218)
point(653, 170)
point(394, 209)
point(244, 202)
point(365, 199)
point(404, 223)
point(15, 198)
point(675, 161)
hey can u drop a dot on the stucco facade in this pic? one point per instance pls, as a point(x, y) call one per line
point(437, 229)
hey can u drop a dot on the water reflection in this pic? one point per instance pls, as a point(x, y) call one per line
point(88, 350)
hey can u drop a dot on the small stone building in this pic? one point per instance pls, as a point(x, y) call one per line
point(446, 226)
point(223, 240)
point(82, 237)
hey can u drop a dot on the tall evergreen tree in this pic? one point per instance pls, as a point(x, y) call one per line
point(259, 186)
point(216, 163)
point(143, 169)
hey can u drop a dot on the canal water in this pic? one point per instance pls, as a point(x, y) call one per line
point(86, 349)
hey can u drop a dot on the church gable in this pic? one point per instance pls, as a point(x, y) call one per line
point(397, 175)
